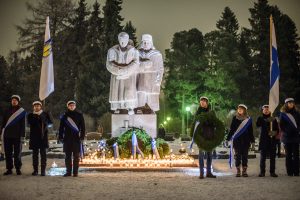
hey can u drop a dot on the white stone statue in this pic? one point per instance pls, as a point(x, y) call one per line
point(150, 74)
point(123, 63)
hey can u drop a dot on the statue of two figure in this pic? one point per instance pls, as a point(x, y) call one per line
point(136, 75)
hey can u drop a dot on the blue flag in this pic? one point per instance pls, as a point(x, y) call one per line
point(274, 70)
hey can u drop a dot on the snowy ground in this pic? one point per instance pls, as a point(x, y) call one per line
point(150, 185)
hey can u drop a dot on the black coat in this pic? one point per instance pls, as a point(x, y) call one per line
point(16, 130)
point(289, 133)
point(71, 139)
point(265, 141)
point(38, 137)
point(245, 139)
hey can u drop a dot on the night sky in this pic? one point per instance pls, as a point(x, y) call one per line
point(161, 18)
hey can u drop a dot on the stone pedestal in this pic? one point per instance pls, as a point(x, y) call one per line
point(122, 122)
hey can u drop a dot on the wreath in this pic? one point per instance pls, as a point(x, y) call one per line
point(209, 133)
point(144, 142)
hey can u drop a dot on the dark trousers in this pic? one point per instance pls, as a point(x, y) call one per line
point(13, 146)
point(74, 150)
point(292, 158)
point(208, 161)
point(35, 159)
point(278, 148)
point(241, 156)
point(271, 151)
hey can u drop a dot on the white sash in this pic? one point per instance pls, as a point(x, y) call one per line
point(292, 119)
point(239, 131)
point(244, 122)
point(73, 124)
point(9, 121)
point(12, 117)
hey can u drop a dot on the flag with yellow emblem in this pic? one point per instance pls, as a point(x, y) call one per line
point(47, 76)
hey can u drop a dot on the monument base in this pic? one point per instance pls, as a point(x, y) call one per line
point(122, 122)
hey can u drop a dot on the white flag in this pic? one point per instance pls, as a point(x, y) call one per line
point(274, 70)
point(47, 76)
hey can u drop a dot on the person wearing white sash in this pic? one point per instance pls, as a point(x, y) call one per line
point(38, 122)
point(242, 135)
point(72, 133)
point(290, 127)
point(13, 134)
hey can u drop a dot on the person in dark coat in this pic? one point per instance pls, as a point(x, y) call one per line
point(242, 143)
point(38, 121)
point(290, 127)
point(161, 132)
point(72, 133)
point(13, 134)
point(204, 107)
point(267, 140)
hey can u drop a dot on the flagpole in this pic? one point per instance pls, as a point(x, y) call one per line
point(271, 21)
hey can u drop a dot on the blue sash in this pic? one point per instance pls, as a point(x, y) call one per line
point(71, 124)
point(239, 131)
point(289, 118)
point(195, 127)
point(13, 119)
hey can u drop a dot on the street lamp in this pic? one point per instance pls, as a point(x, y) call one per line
point(187, 109)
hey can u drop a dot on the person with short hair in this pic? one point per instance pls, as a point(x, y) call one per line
point(72, 133)
point(267, 140)
point(13, 134)
point(204, 107)
point(38, 121)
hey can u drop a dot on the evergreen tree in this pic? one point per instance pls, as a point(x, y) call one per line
point(184, 62)
point(112, 22)
point(33, 30)
point(260, 45)
point(3, 84)
point(288, 53)
point(68, 58)
point(129, 28)
point(93, 83)
point(228, 22)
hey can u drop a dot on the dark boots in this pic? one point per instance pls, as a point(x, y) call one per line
point(35, 171)
point(238, 171)
point(201, 176)
point(210, 175)
point(8, 172)
point(244, 172)
point(43, 170)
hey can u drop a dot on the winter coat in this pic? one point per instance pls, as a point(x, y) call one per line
point(265, 141)
point(38, 124)
point(245, 139)
point(66, 133)
point(290, 134)
point(16, 130)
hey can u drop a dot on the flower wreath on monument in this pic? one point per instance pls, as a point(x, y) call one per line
point(209, 133)
point(144, 143)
